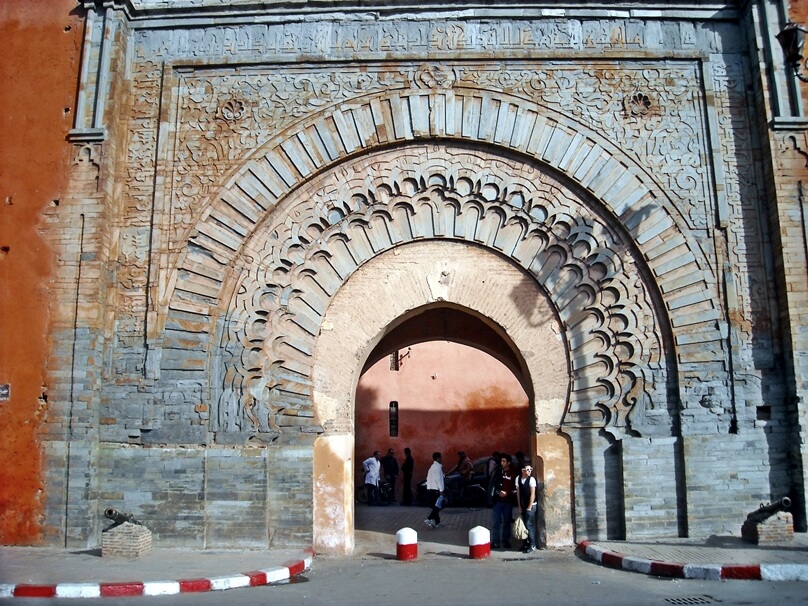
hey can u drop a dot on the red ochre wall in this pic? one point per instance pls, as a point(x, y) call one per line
point(39, 72)
point(450, 398)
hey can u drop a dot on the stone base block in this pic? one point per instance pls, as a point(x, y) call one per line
point(777, 529)
point(126, 541)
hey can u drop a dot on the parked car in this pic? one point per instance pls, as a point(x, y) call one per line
point(452, 481)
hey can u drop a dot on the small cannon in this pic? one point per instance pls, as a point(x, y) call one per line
point(124, 540)
point(764, 512)
point(118, 518)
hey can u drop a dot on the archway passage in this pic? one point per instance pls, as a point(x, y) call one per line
point(396, 285)
point(440, 396)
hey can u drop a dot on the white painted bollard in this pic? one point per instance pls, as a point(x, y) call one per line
point(479, 543)
point(406, 544)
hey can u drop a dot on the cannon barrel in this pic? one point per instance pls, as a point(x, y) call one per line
point(765, 511)
point(118, 517)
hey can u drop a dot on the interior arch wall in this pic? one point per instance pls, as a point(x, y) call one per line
point(447, 323)
point(382, 290)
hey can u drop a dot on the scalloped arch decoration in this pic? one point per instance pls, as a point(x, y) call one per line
point(290, 272)
point(274, 180)
point(331, 137)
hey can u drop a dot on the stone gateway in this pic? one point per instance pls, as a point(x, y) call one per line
point(261, 195)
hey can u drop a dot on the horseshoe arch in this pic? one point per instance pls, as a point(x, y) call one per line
point(557, 216)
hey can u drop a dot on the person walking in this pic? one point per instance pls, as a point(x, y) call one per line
point(460, 475)
point(504, 486)
point(372, 467)
point(407, 469)
point(526, 500)
point(434, 488)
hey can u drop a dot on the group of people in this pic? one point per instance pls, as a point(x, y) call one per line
point(510, 484)
point(374, 466)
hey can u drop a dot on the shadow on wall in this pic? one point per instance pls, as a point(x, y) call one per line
point(477, 432)
point(440, 396)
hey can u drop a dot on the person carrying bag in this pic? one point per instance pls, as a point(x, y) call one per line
point(526, 500)
point(518, 529)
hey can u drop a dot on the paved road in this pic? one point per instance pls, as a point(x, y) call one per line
point(444, 575)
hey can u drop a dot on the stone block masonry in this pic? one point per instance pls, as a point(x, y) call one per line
point(652, 487)
point(225, 497)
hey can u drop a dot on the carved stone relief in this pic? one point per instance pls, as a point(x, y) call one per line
point(652, 112)
point(333, 135)
point(227, 123)
point(751, 287)
point(347, 38)
point(86, 167)
point(135, 229)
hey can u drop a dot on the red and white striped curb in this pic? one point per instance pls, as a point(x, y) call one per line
point(680, 570)
point(255, 578)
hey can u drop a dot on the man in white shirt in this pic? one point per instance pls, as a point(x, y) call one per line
point(434, 488)
point(371, 467)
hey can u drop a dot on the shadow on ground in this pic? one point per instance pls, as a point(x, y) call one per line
point(376, 529)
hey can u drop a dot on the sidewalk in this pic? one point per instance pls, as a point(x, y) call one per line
point(711, 559)
point(45, 572)
point(725, 557)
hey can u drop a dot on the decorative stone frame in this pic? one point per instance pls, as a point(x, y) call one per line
point(624, 192)
point(617, 198)
point(299, 257)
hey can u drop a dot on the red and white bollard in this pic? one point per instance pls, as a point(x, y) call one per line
point(406, 544)
point(479, 543)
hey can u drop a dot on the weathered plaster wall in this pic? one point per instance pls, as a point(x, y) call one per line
point(39, 69)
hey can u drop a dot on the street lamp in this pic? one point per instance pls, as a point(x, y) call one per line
point(791, 39)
